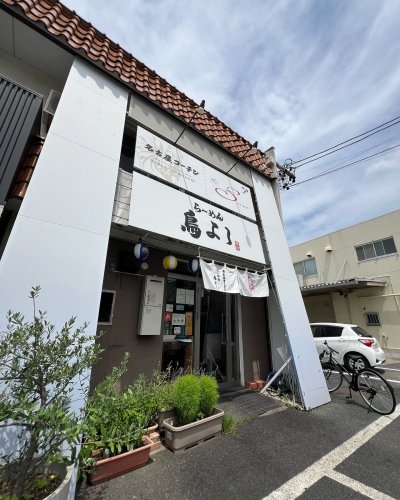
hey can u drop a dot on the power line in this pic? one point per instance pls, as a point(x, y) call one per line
point(348, 140)
point(345, 146)
point(353, 155)
point(332, 170)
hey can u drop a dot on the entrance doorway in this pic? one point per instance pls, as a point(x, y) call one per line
point(179, 323)
point(218, 336)
point(200, 329)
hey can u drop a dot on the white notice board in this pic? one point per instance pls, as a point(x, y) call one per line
point(151, 310)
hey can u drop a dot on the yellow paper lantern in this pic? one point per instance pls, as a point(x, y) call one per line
point(170, 262)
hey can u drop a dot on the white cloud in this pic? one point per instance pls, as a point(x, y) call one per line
point(301, 76)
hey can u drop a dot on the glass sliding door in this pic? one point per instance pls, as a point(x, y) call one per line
point(218, 353)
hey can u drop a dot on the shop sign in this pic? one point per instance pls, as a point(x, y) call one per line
point(167, 162)
point(223, 278)
point(158, 208)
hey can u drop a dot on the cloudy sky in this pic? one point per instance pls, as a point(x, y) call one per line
point(299, 75)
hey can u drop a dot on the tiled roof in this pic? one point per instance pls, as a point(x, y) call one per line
point(83, 38)
point(27, 168)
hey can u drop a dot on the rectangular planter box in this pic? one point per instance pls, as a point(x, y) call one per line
point(163, 415)
point(109, 468)
point(178, 438)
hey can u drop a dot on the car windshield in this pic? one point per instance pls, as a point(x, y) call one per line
point(360, 332)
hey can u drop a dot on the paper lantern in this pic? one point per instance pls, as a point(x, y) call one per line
point(170, 262)
point(193, 265)
point(141, 251)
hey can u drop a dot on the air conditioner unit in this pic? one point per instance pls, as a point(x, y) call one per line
point(300, 280)
point(49, 109)
point(51, 103)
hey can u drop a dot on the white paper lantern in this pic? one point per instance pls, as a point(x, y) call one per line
point(141, 251)
point(193, 265)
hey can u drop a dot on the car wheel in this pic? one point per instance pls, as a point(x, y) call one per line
point(356, 361)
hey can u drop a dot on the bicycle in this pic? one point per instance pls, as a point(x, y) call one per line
point(372, 386)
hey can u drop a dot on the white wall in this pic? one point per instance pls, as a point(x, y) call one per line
point(311, 379)
point(60, 237)
point(28, 76)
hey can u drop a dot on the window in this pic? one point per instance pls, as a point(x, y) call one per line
point(372, 319)
point(319, 331)
point(332, 331)
point(376, 249)
point(106, 307)
point(127, 152)
point(306, 268)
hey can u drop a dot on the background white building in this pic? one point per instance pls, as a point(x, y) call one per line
point(353, 276)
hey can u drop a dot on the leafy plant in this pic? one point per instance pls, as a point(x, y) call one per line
point(166, 395)
point(208, 394)
point(40, 368)
point(113, 423)
point(187, 398)
point(230, 424)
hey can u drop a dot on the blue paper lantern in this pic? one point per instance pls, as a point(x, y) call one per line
point(141, 251)
point(193, 265)
point(170, 262)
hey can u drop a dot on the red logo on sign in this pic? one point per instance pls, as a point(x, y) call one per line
point(237, 246)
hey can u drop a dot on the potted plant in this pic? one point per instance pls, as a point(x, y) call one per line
point(39, 369)
point(114, 437)
point(197, 418)
point(165, 402)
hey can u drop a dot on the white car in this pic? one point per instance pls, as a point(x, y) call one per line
point(356, 347)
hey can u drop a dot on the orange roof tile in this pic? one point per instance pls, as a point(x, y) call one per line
point(81, 36)
point(27, 168)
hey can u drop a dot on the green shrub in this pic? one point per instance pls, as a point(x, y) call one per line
point(208, 394)
point(113, 423)
point(144, 394)
point(187, 398)
point(166, 396)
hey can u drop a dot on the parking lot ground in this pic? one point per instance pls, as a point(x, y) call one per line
point(272, 450)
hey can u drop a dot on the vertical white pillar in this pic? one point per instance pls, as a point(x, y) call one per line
point(60, 236)
point(305, 357)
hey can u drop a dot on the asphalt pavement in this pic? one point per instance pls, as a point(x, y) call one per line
point(336, 451)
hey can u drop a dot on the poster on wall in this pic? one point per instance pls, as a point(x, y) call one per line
point(190, 297)
point(178, 319)
point(180, 296)
point(167, 162)
point(189, 324)
point(158, 208)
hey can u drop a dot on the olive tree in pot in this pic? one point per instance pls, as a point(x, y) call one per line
point(197, 418)
point(39, 371)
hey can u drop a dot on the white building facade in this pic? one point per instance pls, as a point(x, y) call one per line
point(108, 164)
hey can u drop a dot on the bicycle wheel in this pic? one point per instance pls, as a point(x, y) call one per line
point(376, 392)
point(333, 376)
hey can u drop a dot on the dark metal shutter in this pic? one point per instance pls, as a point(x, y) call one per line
point(20, 112)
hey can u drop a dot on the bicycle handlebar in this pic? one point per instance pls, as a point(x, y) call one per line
point(330, 348)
